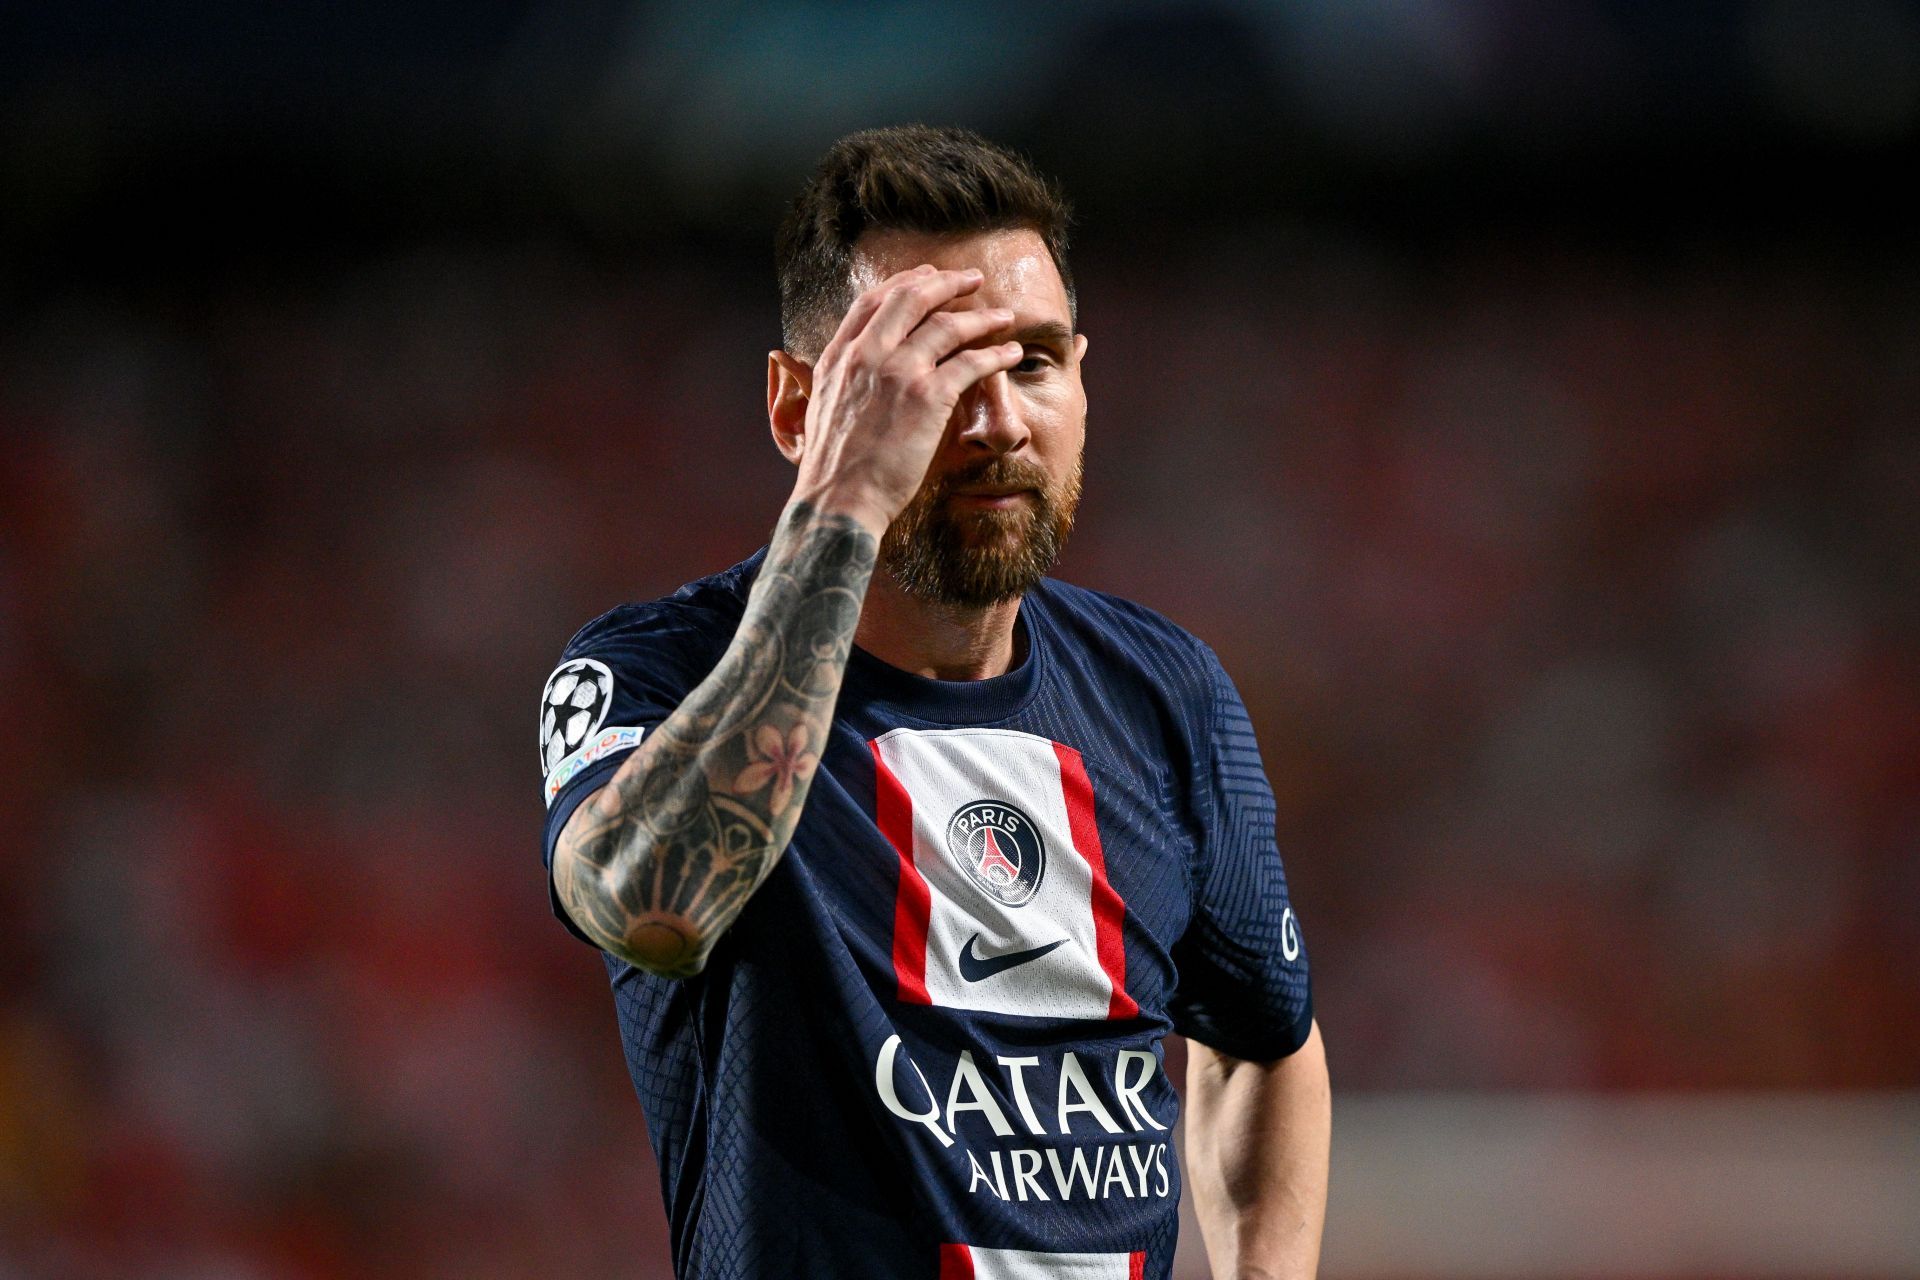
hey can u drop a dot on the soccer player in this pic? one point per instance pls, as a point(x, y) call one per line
point(904, 857)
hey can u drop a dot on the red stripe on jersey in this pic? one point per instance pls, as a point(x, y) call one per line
point(1136, 1266)
point(1108, 910)
point(956, 1262)
point(913, 903)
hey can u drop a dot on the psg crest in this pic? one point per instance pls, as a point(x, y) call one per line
point(574, 704)
point(1000, 849)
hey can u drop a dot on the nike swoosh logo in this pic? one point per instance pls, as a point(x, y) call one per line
point(977, 968)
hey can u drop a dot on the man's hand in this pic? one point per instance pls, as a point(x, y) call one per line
point(885, 387)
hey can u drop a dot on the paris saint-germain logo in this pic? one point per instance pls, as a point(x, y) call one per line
point(1000, 849)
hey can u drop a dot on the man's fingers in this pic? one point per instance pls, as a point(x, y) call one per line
point(944, 332)
point(964, 368)
point(908, 302)
point(867, 303)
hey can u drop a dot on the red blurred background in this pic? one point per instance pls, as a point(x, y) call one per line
point(1520, 398)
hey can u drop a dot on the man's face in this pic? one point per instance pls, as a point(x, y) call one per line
point(998, 501)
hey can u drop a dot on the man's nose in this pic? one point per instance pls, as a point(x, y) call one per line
point(990, 416)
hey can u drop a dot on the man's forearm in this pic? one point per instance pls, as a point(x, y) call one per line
point(657, 863)
point(1257, 1136)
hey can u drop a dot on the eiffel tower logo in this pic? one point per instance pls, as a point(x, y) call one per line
point(994, 864)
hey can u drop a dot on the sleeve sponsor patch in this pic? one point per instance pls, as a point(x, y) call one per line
point(573, 706)
point(619, 737)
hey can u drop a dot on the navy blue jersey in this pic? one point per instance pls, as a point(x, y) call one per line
point(931, 1045)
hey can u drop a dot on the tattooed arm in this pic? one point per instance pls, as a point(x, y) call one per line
point(656, 864)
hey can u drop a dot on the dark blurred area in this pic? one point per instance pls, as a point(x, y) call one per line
point(1520, 397)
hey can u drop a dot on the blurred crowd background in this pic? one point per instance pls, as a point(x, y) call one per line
point(1520, 397)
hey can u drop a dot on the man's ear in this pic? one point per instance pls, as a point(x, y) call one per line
point(789, 384)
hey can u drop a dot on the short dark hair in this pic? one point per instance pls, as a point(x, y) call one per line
point(910, 178)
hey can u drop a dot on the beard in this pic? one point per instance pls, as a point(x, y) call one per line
point(943, 553)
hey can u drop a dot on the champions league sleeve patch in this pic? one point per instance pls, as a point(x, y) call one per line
point(572, 707)
point(618, 737)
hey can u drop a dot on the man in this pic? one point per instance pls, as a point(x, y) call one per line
point(905, 858)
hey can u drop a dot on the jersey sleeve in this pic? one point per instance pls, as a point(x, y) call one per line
point(617, 679)
point(1243, 986)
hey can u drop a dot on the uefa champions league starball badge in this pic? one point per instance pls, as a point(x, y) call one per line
point(575, 703)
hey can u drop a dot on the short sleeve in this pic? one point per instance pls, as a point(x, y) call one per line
point(1243, 986)
point(617, 679)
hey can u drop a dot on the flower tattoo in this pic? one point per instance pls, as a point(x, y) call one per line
point(781, 761)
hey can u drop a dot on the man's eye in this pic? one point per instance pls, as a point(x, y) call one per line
point(1034, 362)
